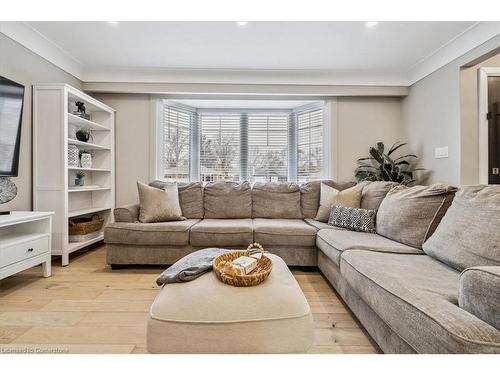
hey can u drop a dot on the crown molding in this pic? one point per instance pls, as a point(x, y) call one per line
point(473, 37)
point(37, 43)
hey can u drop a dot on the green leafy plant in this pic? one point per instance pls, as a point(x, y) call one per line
point(381, 166)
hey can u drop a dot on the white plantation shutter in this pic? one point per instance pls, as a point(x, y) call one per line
point(309, 145)
point(176, 132)
point(267, 147)
point(219, 147)
point(237, 145)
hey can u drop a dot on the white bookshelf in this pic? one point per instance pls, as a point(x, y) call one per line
point(54, 128)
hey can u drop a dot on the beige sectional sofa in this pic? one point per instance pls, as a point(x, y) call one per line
point(408, 301)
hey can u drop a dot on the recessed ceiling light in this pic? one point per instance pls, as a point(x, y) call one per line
point(113, 23)
point(242, 23)
point(371, 24)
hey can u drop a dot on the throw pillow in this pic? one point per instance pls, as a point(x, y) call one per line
point(356, 219)
point(330, 196)
point(157, 205)
point(469, 234)
point(411, 214)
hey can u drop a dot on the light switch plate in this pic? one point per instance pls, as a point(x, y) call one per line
point(441, 152)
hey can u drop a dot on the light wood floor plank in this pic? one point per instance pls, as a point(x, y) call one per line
point(88, 308)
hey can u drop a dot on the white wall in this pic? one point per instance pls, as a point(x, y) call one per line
point(432, 114)
point(362, 122)
point(133, 122)
point(23, 66)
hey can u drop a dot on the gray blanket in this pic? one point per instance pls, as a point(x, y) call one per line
point(190, 267)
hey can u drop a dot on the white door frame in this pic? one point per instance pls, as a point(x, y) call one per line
point(484, 73)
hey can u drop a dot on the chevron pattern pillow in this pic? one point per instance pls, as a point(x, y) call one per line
point(356, 219)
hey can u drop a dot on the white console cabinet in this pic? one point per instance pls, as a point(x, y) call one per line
point(25, 242)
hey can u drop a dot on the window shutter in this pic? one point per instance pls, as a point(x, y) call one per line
point(220, 147)
point(310, 145)
point(176, 144)
point(267, 147)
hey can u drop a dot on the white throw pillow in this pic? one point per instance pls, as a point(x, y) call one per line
point(330, 196)
point(157, 205)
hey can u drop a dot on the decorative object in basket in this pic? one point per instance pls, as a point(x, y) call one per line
point(258, 274)
point(85, 228)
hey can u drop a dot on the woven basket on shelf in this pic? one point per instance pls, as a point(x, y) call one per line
point(84, 225)
point(257, 276)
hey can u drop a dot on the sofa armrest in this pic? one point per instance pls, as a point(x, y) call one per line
point(127, 214)
point(478, 293)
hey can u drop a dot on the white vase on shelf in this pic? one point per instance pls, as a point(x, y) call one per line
point(86, 160)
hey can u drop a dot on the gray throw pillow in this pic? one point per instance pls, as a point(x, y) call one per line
point(356, 219)
point(190, 197)
point(411, 214)
point(469, 234)
point(158, 205)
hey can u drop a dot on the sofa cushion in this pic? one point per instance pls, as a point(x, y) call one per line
point(318, 224)
point(227, 200)
point(190, 197)
point(159, 205)
point(333, 242)
point(310, 194)
point(460, 239)
point(330, 197)
point(479, 293)
point(283, 232)
point(276, 200)
point(411, 214)
point(374, 193)
point(417, 296)
point(222, 232)
point(165, 234)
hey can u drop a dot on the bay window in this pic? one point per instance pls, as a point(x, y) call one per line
point(240, 145)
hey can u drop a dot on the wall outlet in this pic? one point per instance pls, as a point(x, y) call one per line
point(441, 152)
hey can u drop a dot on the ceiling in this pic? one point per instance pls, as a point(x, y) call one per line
point(295, 53)
point(389, 46)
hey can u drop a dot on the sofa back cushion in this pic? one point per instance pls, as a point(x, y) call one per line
point(227, 200)
point(190, 197)
point(310, 195)
point(276, 200)
point(411, 214)
point(374, 193)
point(469, 234)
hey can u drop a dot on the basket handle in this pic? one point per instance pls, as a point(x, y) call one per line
point(253, 248)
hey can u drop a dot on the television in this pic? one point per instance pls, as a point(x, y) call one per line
point(11, 117)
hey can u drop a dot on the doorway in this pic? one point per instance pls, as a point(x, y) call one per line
point(493, 118)
point(489, 125)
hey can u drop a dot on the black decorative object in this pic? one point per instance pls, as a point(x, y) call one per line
point(83, 135)
point(81, 111)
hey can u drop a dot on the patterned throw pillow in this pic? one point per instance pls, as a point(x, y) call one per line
point(356, 219)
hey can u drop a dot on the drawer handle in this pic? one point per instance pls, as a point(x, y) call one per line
point(30, 249)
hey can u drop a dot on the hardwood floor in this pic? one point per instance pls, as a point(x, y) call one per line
point(88, 308)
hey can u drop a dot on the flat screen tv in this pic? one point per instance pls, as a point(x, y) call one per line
point(11, 117)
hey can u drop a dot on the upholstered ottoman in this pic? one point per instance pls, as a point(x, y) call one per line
point(207, 316)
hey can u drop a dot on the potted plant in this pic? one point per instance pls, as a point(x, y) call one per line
point(80, 179)
point(380, 166)
point(83, 134)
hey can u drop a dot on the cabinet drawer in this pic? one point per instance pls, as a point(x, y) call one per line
point(23, 250)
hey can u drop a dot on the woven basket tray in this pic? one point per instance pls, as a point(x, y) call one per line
point(83, 225)
point(257, 276)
